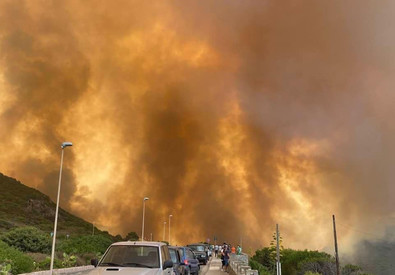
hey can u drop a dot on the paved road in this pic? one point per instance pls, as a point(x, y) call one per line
point(213, 268)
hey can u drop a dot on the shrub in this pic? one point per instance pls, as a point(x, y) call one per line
point(5, 267)
point(69, 260)
point(19, 263)
point(46, 264)
point(28, 239)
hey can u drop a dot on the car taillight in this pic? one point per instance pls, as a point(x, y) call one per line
point(185, 261)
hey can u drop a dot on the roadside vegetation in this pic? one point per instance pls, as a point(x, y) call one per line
point(298, 262)
point(26, 224)
point(27, 249)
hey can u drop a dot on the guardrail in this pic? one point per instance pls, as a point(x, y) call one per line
point(239, 265)
point(70, 270)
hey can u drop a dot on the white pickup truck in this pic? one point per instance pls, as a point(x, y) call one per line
point(135, 258)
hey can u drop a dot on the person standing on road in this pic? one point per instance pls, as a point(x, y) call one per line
point(226, 259)
point(216, 250)
point(238, 250)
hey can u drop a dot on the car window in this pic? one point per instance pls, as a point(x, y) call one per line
point(199, 248)
point(134, 256)
point(173, 256)
point(181, 251)
point(190, 254)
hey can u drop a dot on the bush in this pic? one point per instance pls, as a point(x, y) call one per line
point(69, 260)
point(17, 261)
point(28, 239)
point(85, 244)
point(5, 268)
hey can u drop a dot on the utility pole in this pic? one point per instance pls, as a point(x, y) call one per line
point(278, 251)
point(164, 231)
point(336, 251)
point(151, 237)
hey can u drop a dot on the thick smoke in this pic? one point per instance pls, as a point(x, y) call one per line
point(230, 116)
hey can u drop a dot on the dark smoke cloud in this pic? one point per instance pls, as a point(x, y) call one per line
point(230, 116)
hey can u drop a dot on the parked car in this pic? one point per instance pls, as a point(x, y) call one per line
point(178, 264)
point(190, 260)
point(200, 252)
point(145, 258)
point(208, 249)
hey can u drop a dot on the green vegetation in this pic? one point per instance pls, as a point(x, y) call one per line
point(85, 244)
point(298, 262)
point(132, 236)
point(25, 206)
point(28, 239)
point(14, 261)
point(26, 224)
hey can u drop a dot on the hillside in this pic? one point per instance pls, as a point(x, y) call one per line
point(21, 206)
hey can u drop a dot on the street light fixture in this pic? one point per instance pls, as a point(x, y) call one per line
point(64, 145)
point(169, 227)
point(142, 230)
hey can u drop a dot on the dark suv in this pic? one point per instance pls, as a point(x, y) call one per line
point(200, 252)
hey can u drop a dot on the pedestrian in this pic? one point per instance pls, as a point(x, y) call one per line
point(223, 261)
point(226, 260)
point(216, 251)
point(238, 250)
point(233, 250)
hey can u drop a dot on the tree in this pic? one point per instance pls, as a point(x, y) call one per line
point(132, 236)
point(262, 270)
point(263, 256)
point(350, 269)
point(293, 261)
point(322, 266)
point(117, 238)
point(273, 246)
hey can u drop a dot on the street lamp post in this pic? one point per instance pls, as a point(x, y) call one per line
point(169, 227)
point(64, 145)
point(142, 230)
point(164, 230)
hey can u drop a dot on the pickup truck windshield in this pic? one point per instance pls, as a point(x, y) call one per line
point(131, 256)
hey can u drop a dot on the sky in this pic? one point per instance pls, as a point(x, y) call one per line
point(233, 116)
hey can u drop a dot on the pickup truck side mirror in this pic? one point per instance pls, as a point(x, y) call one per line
point(167, 264)
point(94, 262)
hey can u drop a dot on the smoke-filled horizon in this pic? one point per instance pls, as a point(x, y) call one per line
point(230, 115)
